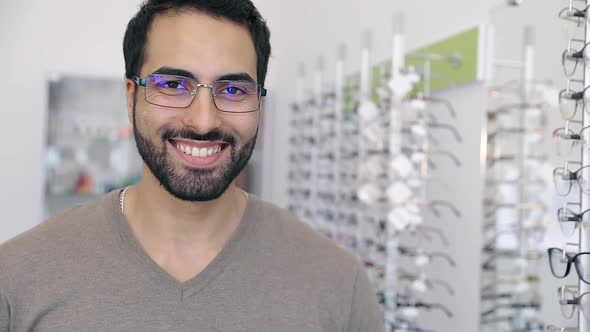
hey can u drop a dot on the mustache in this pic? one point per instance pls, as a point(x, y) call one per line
point(215, 135)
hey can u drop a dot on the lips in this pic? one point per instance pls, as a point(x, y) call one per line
point(199, 154)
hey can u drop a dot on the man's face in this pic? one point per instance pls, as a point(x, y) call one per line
point(181, 146)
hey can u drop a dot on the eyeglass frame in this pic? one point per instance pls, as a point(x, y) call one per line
point(571, 135)
point(573, 55)
point(575, 217)
point(143, 82)
point(570, 259)
point(573, 177)
point(576, 96)
point(575, 302)
point(577, 14)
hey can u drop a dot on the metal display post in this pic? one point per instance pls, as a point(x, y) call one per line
point(395, 144)
point(583, 324)
point(338, 118)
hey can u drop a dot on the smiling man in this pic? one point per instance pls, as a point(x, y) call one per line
point(185, 249)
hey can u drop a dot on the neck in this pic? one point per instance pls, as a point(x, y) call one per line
point(163, 222)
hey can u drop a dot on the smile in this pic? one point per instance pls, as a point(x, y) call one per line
point(196, 149)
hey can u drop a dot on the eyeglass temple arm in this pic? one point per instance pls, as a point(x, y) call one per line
point(449, 127)
point(443, 284)
point(447, 204)
point(437, 231)
point(139, 81)
point(446, 103)
point(441, 307)
point(451, 156)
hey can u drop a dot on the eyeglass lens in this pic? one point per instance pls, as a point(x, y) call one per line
point(178, 92)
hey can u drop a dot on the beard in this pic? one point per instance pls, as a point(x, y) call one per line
point(189, 184)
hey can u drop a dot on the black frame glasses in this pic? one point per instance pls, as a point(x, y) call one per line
point(175, 91)
point(557, 258)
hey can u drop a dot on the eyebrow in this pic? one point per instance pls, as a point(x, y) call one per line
point(237, 77)
point(227, 77)
point(174, 71)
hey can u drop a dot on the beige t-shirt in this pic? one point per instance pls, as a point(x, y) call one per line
point(85, 271)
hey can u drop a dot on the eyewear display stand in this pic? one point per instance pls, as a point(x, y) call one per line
point(583, 323)
point(396, 152)
point(514, 201)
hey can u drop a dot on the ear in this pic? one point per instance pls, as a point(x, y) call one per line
point(130, 87)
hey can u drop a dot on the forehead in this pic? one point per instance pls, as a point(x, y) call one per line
point(204, 45)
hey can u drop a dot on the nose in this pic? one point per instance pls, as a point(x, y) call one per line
point(202, 114)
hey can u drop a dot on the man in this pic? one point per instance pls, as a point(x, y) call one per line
point(185, 249)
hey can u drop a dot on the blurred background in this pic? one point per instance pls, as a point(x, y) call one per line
point(417, 134)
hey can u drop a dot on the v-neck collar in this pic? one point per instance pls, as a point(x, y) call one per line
point(192, 286)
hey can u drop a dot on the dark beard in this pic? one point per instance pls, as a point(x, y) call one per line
point(197, 185)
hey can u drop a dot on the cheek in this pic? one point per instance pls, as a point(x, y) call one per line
point(244, 125)
point(150, 121)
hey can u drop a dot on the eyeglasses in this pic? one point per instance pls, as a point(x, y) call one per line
point(571, 138)
point(419, 129)
point(569, 220)
point(423, 258)
point(569, 301)
point(421, 283)
point(422, 102)
point(561, 262)
point(512, 258)
point(573, 15)
point(428, 306)
point(174, 91)
point(571, 57)
point(421, 152)
point(532, 305)
point(571, 101)
point(563, 179)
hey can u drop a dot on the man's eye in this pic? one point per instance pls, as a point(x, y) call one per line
point(232, 90)
point(171, 85)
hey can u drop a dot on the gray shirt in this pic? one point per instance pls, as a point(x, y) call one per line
point(84, 270)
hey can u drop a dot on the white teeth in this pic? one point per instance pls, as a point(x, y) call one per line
point(198, 152)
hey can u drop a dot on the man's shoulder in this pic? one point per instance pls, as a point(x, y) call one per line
point(289, 235)
point(64, 231)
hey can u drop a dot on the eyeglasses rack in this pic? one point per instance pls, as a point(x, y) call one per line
point(515, 198)
point(363, 158)
point(570, 180)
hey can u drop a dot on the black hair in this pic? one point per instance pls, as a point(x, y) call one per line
point(242, 12)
